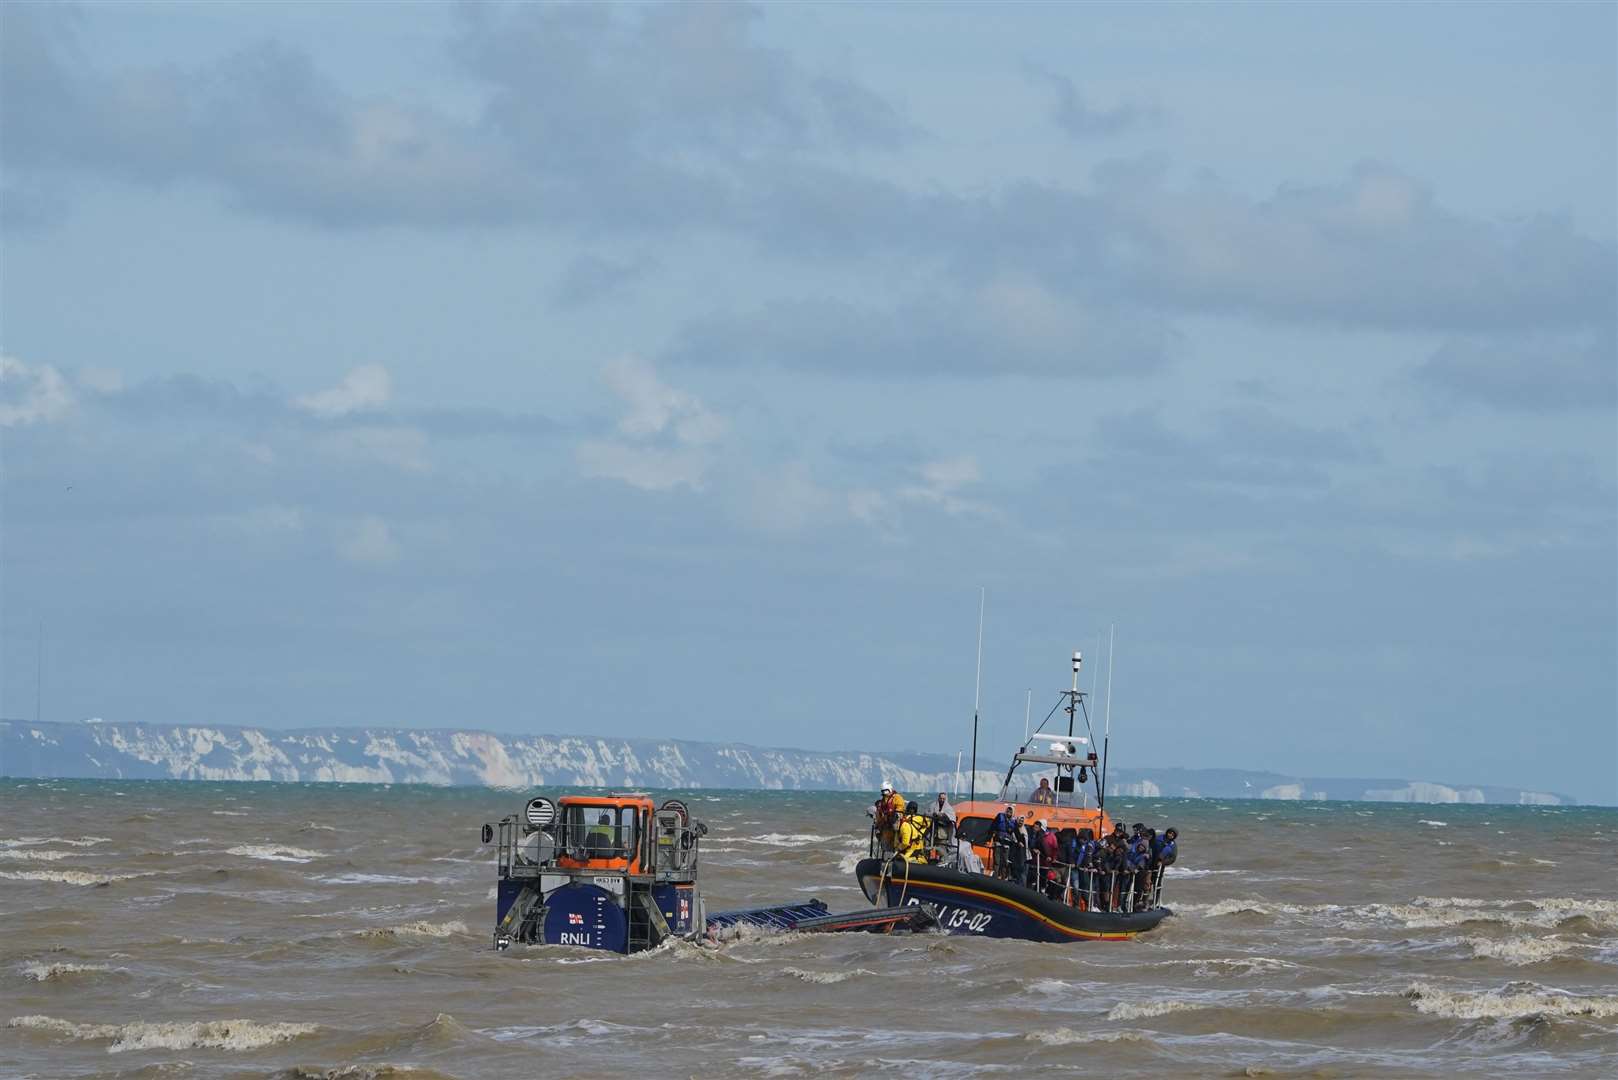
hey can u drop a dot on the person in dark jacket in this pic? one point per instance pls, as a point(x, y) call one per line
point(1110, 864)
point(1036, 854)
point(1080, 855)
point(1137, 873)
point(1007, 858)
point(1168, 848)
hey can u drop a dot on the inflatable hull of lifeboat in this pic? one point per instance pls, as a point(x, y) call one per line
point(988, 907)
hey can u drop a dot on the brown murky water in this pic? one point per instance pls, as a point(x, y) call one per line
point(203, 930)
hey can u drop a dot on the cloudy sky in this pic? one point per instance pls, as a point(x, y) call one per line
point(687, 370)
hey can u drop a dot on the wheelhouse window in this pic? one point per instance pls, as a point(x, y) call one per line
point(975, 830)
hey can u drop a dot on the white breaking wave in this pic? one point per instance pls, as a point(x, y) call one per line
point(173, 1034)
point(1221, 966)
point(1426, 912)
point(1128, 1010)
point(30, 841)
point(356, 878)
point(826, 977)
point(1517, 951)
point(1434, 824)
point(275, 852)
point(785, 839)
point(68, 877)
point(42, 972)
point(1180, 871)
point(1509, 1003)
point(39, 855)
point(230, 813)
point(1257, 907)
point(419, 928)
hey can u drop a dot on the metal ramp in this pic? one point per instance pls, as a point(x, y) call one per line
point(784, 917)
point(814, 917)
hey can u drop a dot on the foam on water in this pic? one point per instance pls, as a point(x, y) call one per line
point(825, 977)
point(68, 877)
point(418, 929)
point(1066, 1036)
point(1516, 951)
point(38, 855)
point(171, 1035)
point(1145, 1010)
point(38, 971)
point(1509, 1003)
point(275, 852)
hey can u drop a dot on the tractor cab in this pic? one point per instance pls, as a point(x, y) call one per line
point(604, 833)
point(615, 872)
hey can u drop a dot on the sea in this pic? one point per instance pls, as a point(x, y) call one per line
point(194, 929)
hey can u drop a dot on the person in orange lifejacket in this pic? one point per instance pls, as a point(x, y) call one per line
point(890, 807)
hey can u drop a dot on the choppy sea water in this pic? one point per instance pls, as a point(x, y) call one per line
point(171, 930)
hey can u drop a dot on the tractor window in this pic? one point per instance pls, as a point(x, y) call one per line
point(628, 837)
point(600, 832)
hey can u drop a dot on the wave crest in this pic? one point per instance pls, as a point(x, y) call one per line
point(275, 852)
point(172, 1034)
point(1144, 1010)
point(1512, 1002)
point(421, 928)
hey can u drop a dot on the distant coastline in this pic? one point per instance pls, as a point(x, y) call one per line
point(100, 750)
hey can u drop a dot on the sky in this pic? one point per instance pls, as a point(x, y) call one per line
point(687, 371)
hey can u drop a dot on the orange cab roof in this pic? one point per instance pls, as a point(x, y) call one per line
point(605, 800)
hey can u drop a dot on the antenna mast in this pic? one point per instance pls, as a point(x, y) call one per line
point(1106, 743)
point(977, 693)
point(39, 668)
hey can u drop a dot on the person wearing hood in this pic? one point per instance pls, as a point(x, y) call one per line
point(943, 815)
point(1007, 849)
point(1050, 851)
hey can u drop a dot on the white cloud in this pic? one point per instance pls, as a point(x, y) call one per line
point(365, 388)
point(941, 482)
point(367, 541)
point(32, 394)
point(656, 408)
point(650, 468)
point(664, 432)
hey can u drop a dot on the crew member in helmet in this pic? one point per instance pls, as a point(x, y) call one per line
point(890, 807)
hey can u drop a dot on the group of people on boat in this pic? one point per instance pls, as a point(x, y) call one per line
point(1121, 871)
point(908, 832)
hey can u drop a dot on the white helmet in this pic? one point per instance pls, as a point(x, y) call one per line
point(886, 787)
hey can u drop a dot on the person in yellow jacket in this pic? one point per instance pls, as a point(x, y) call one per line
point(911, 835)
